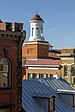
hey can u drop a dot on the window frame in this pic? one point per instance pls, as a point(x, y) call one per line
point(49, 104)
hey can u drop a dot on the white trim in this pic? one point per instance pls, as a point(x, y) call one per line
point(64, 90)
point(33, 68)
point(42, 66)
point(37, 59)
point(37, 42)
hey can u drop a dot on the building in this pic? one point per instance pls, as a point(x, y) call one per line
point(11, 40)
point(37, 62)
point(68, 64)
point(48, 95)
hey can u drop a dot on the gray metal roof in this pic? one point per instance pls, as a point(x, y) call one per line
point(46, 87)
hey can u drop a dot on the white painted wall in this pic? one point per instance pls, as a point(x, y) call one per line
point(36, 30)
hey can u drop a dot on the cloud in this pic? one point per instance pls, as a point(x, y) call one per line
point(53, 29)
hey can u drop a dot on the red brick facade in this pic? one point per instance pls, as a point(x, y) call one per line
point(35, 51)
point(11, 50)
point(37, 60)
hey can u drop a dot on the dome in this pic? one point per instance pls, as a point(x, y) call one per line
point(37, 17)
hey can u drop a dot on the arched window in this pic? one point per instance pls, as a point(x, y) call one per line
point(5, 72)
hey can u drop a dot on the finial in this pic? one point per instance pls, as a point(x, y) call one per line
point(36, 12)
point(0, 17)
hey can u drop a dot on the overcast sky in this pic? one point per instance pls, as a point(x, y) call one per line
point(58, 16)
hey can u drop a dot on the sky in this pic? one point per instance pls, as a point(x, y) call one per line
point(58, 16)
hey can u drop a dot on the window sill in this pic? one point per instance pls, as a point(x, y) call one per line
point(5, 88)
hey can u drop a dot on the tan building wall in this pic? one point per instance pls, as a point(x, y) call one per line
point(68, 64)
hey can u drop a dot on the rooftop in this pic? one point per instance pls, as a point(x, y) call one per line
point(37, 17)
point(46, 87)
point(43, 62)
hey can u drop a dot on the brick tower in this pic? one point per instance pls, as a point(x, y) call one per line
point(11, 39)
point(36, 46)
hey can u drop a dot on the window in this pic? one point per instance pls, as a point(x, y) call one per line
point(65, 70)
point(73, 100)
point(33, 75)
point(36, 75)
point(37, 32)
point(30, 75)
point(7, 35)
point(32, 31)
point(8, 26)
point(46, 75)
point(43, 75)
point(41, 30)
point(5, 71)
point(73, 79)
point(15, 35)
point(30, 50)
point(27, 51)
point(2, 34)
point(73, 70)
point(11, 35)
point(52, 104)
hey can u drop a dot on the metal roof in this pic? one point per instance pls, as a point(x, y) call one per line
point(46, 87)
point(37, 17)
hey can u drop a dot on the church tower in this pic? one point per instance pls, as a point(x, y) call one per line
point(36, 46)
